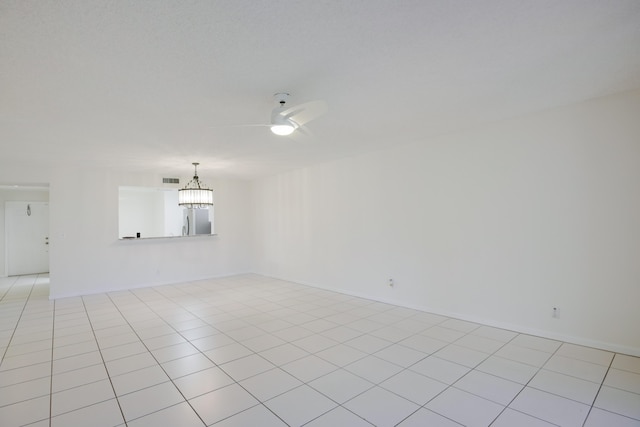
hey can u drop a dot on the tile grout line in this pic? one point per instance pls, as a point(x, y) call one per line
point(8, 288)
point(53, 333)
point(474, 369)
point(599, 389)
point(13, 333)
point(93, 332)
point(527, 384)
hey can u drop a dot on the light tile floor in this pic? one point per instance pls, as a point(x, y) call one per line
point(254, 351)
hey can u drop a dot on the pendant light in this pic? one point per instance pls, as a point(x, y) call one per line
point(195, 195)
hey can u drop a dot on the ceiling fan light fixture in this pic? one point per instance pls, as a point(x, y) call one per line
point(282, 129)
point(281, 123)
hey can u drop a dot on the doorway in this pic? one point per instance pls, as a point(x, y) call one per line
point(27, 237)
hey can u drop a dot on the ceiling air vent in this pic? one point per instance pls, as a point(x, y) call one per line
point(170, 180)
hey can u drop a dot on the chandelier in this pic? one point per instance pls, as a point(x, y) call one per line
point(195, 194)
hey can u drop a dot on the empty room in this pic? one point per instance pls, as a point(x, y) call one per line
point(319, 213)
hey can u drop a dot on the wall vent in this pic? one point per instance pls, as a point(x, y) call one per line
point(170, 180)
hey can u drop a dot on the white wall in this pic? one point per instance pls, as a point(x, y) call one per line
point(7, 195)
point(86, 255)
point(498, 224)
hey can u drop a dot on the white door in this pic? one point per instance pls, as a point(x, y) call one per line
point(27, 237)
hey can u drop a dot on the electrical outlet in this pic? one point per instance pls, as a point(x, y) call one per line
point(555, 313)
point(391, 282)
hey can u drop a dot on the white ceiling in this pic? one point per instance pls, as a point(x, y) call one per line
point(155, 85)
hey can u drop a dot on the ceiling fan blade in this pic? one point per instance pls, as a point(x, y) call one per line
point(304, 113)
point(242, 125)
point(303, 130)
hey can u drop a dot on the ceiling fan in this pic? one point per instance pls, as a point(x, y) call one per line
point(285, 119)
